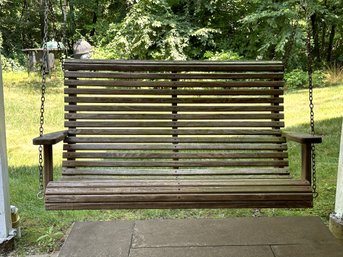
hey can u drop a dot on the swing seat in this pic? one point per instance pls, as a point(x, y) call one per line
point(175, 134)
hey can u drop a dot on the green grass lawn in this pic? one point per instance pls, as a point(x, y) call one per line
point(22, 101)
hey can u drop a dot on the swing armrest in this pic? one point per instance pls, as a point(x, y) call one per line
point(47, 141)
point(302, 138)
point(306, 141)
point(51, 138)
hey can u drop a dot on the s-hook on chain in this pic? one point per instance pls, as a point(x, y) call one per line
point(40, 193)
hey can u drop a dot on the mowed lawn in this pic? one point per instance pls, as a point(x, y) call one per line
point(22, 102)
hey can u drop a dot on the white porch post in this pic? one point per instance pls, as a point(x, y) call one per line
point(339, 189)
point(336, 218)
point(5, 211)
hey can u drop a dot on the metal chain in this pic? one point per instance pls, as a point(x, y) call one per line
point(40, 193)
point(311, 104)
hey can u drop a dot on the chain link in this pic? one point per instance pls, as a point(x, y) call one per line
point(44, 71)
point(311, 104)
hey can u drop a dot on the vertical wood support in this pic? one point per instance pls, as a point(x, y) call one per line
point(72, 112)
point(5, 210)
point(174, 120)
point(277, 119)
point(306, 173)
point(48, 164)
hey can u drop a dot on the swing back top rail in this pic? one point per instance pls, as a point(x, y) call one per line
point(175, 134)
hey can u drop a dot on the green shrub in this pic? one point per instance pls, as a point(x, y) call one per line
point(295, 79)
point(298, 79)
point(318, 78)
point(9, 64)
point(104, 53)
point(222, 56)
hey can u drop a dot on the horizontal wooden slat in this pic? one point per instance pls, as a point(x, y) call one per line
point(197, 100)
point(152, 75)
point(277, 147)
point(180, 205)
point(216, 155)
point(171, 62)
point(237, 140)
point(194, 92)
point(128, 108)
point(174, 132)
point(231, 124)
point(117, 183)
point(181, 190)
point(172, 66)
point(203, 197)
point(206, 174)
point(195, 116)
point(194, 84)
point(245, 163)
point(206, 177)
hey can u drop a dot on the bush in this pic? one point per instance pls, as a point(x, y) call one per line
point(104, 53)
point(298, 79)
point(318, 78)
point(222, 56)
point(9, 64)
point(295, 79)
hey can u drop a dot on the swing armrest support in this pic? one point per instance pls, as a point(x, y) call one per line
point(48, 140)
point(306, 141)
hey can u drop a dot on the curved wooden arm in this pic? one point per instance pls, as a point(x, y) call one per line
point(51, 138)
point(306, 141)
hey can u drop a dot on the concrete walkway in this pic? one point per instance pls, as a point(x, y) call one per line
point(233, 237)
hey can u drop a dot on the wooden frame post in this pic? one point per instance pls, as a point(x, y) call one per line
point(48, 165)
point(336, 218)
point(6, 231)
point(306, 164)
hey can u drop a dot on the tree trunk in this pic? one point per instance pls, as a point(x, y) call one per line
point(330, 45)
point(41, 18)
point(322, 49)
point(316, 50)
point(72, 25)
point(95, 18)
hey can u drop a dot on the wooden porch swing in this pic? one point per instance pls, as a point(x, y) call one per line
point(174, 134)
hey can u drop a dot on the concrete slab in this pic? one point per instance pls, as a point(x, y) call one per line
point(310, 250)
point(232, 237)
point(233, 231)
point(221, 251)
point(98, 239)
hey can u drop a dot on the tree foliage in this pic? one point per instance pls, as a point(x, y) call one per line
point(179, 29)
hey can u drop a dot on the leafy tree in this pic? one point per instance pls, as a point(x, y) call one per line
point(180, 29)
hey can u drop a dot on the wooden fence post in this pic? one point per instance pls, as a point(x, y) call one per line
point(6, 232)
point(336, 218)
